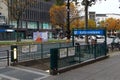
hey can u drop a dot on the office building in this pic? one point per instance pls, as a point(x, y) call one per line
point(35, 18)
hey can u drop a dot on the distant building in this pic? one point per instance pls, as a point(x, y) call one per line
point(103, 17)
point(100, 17)
point(92, 15)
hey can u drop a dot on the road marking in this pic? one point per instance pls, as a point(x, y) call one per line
point(7, 77)
point(31, 71)
point(40, 78)
point(34, 72)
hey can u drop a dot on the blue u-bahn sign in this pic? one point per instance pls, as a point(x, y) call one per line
point(89, 32)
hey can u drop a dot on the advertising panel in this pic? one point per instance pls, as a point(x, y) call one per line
point(40, 36)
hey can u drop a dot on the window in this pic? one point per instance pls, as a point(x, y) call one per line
point(14, 23)
point(23, 24)
point(32, 25)
point(46, 26)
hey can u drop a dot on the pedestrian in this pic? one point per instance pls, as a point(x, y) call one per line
point(93, 40)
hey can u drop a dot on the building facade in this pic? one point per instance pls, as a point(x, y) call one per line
point(35, 18)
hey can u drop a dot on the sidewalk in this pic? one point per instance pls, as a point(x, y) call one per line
point(15, 73)
point(108, 69)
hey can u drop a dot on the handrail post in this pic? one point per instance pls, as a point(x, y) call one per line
point(8, 57)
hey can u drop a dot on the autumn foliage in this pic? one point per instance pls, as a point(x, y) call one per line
point(111, 24)
point(58, 14)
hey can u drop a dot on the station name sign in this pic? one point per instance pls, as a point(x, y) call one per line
point(88, 32)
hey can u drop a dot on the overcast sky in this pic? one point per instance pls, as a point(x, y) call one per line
point(108, 6)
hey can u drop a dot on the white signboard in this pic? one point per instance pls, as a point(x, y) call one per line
point(63, 52)
point(33, 48)
point(71, 51)
point(25, 49)
point(44, 36)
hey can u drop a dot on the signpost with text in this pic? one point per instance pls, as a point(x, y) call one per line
point(88, 32)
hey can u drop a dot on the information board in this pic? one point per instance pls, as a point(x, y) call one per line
point(63, 52)
point(71, 51)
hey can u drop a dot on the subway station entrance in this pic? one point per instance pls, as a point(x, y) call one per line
point(67, 58)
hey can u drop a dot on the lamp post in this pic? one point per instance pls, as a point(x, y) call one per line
point(87, 3)
point(86, 19)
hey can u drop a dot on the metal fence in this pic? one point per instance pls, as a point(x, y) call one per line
point(69, 56)
point(4, 58)
point(82, 53)
point(37, 51)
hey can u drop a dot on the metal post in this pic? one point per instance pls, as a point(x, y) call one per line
point(41, 50)
point(8, 57)
point(86, 19)
point(105, 42)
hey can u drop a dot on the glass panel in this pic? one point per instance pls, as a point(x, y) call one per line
point(14, 23)
point(46, 26)
point(23, 24)
point(40, 25)
point(32, 25)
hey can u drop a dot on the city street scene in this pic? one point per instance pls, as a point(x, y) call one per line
point(59, 39)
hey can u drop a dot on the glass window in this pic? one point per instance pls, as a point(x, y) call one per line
point(46, 26)
point(14, 23)
point(32, 25)
point(40, 25)
point(23, 24)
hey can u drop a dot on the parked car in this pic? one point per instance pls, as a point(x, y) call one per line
point(99, 36)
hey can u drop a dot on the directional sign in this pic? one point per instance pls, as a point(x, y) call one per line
point(88, 32)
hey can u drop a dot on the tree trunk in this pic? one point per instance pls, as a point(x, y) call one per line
point(17, 30)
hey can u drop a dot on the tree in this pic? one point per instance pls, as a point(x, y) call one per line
point(16, 9)
point(75, 24)
point(91, 23)
point(112, 24)
point(58, 15)
point(101, 24)
point(81, 23)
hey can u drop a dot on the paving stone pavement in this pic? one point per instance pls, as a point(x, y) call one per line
point(15, 73)
point(108, 69)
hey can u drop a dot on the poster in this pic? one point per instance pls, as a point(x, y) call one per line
point(40, 36)
point(25, 49)
point(71, 51)
point(63, 52)
point(33, 48)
